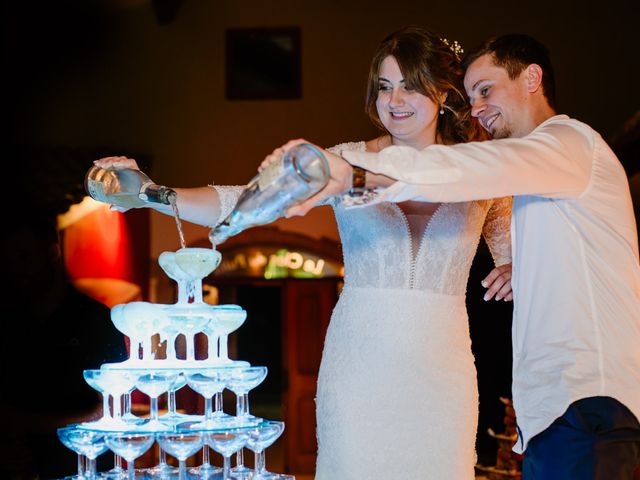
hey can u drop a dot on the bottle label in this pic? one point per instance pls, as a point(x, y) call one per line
point(144, 191)
point(269, 175)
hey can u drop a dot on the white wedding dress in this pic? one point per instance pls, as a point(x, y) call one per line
point(397, 395)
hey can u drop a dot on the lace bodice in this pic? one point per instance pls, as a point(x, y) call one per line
point(377, 244)
point(379, 252)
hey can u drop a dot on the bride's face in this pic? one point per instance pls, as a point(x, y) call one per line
point(409, 116)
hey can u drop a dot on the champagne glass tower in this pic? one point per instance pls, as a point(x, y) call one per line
point(180, 435)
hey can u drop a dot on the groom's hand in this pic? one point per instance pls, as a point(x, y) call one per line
point(340, 177)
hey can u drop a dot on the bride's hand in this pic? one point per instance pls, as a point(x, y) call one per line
point(498, 284)
point(116, 163)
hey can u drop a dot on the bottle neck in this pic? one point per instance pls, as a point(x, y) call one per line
point(150, 192)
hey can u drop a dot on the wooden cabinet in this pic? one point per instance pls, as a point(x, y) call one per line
point(307, 307)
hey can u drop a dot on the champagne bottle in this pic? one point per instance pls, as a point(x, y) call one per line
point(301, 172)
point(125, 187)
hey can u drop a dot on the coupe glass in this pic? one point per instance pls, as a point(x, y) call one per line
point(197, 263)
point(228, 319)
point(190, 319)
point(154, 384)
point(129, 446)
point(89, 443)
point(207, 383)
point(213, 332)
point(115, 383)
point(181, 446)
point(170, 418)
point(241, 382)
point(167, 261)
point(258, 440)
point(170, 330)
point(118, 384)
point(139, 321)
point(173, 417)
point(63, 435)
point(127, 416)
point(169, 333)
point(106, 421)
point(226, 443)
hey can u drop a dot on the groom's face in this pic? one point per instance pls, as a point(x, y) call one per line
point(497, 101)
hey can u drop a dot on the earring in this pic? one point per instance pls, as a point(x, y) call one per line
point(441, 110)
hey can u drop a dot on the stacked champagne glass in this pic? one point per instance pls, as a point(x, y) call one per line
point(177, 434)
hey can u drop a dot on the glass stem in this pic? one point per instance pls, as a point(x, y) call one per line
point(135, 349)
point(246, 403)
point(182, 469)
point(224, 354)
point(117, 462)
point(163, 456)
point(171, 402)
point(205, 457)
point(105, 405)
point(91, 468)
point(260, 466)
point(190, 341)
point(240, 458)
point(239, 404)
point(182, 291)
point(212, 349)
point(127, 403)
point(208, 408)
point(226, 473)
point(131, 472)
point(190, 291)
point(80, 466)
point(146, 349)
point(171, 346)
point(219, 401)
point(117, 406)
point(154, 409)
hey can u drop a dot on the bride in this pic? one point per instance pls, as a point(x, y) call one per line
point(397, 394)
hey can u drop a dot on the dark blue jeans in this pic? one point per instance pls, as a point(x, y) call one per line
point(597, 438)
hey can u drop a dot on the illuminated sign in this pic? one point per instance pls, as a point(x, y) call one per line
point(271, 263)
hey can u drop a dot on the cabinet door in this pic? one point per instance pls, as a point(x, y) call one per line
point(307, 307)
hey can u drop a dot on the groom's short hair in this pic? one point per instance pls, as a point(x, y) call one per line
point(514, 52)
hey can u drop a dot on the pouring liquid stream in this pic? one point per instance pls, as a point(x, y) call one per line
point(176, 214)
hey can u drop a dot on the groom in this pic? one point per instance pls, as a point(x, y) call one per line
point(576, 278)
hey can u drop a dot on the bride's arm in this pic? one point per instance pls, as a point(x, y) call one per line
point(200, 205)
point(497, 233)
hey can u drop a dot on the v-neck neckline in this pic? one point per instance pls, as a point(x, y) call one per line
point(415, 255)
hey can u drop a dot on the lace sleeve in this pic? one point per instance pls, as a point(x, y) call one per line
point(496, 230)
point(346, 200)
point(333, 201)
point(228, 196)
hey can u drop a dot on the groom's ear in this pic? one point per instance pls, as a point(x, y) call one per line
point(533, 77)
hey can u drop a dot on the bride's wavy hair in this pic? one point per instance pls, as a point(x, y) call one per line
point(431, 67)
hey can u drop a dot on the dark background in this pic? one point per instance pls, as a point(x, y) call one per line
point(84, 78)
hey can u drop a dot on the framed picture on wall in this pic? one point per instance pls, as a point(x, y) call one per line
point(263, 63)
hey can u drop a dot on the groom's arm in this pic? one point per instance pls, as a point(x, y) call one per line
point(553, 161)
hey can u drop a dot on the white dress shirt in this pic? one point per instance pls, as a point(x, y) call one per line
point(576, 278)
